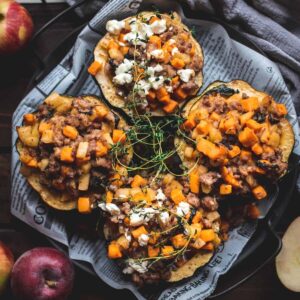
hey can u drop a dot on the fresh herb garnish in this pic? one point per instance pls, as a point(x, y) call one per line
point(223, 90)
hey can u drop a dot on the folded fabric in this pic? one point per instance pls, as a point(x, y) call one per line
point(273, 25)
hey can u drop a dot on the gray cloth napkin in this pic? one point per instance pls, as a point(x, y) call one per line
point(273, 25)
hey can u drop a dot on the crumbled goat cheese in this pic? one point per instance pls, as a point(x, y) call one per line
point(123, 78)
point(142, 215)
point(186, 74)
point(169, 88)
point(164, 217)
point(157, 53)
point(142, 87)
point(160, 196)
point(128, 270)
point(139, 267)
point(156, 82)
point(124, 67)
point(115, 26)
point(159, 26)
point(174, 51)
point(183, 209)
point(152, 70)
point(143, 240)
point(112, 208)
point(171, 41)
point(139, 34)
point(128, 235)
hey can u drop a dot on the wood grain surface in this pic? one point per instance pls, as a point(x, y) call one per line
point(15, 74)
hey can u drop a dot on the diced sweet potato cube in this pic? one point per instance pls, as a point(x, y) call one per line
point(197, 217)
point(84, 205)
point(114, 251)
point(189, 124)
point(229, 126)
point(194, 182)
point(109, 197)
point(234, 151)
point(203, 127)
point(180, 93)
point(246, 155)
point(44, 126)
point(33, 163)
point(170, 106)
point(207, 235)
point(253, 124)
point(153, 251)
point(245, 117)
point(215, 135)
point(257, 149)
point(138, 181)
point(140, 230)
point(119, 136)
point(94, 68)
point(281, 109)
point(209, 149)
point(124, 50)
point(167, 250)
point(100, 112)
point(101, 149)
point(29, 119)
point(155, 40)
point(177, 63)
point(250, 104)
point(66, 154)
point(247, 137)
point(177, 196)
point(70, 132)
point(259, 192)
point(161, 92)
point(113, 45)
point(225, 189)
point(179, 240)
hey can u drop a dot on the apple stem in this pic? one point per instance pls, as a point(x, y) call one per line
point(51, 283)
point(1, 17)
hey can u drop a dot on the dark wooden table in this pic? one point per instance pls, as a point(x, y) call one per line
point(15, 73)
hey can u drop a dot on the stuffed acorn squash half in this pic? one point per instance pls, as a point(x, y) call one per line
point(234, 137)
point(67, 150)
point(148, 63)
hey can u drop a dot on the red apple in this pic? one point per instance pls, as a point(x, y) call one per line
point(6, 264)
point(42, 274)
point(16, 26)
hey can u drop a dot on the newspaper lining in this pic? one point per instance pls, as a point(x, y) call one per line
point(225, 59)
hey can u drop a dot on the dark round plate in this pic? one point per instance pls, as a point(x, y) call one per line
point(265, 241)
